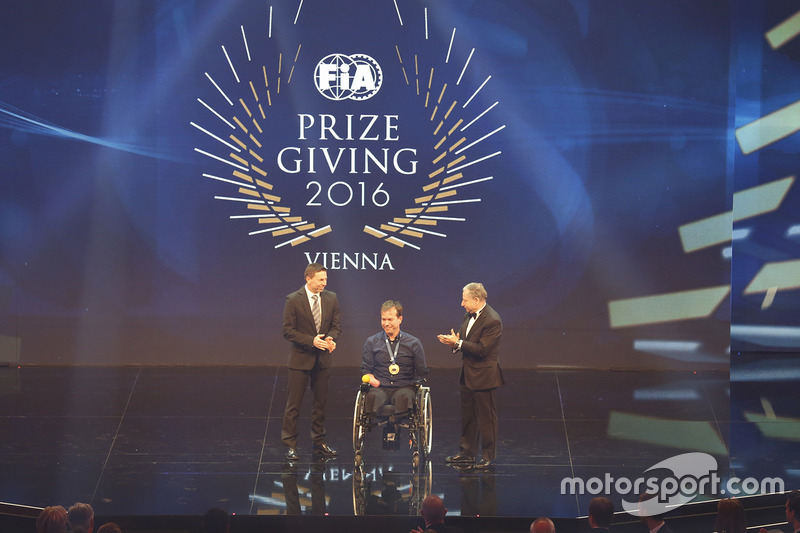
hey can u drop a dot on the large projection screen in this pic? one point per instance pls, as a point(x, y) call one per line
point(170, 168)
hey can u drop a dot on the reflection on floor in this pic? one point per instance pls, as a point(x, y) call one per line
point(179, 440)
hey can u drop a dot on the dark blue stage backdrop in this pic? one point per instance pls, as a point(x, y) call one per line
point(619, 174)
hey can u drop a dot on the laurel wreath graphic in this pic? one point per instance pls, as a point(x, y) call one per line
point(449, 167)
point(242, 121)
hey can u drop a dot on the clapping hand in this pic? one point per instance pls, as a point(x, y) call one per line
point(450, 340)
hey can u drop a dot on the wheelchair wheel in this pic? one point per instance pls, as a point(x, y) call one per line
point(426, 422)
point(421, 486)
point(424, 426)
point(358, 429)
point(359, 493)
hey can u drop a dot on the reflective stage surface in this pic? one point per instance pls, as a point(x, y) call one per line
point(179, 440)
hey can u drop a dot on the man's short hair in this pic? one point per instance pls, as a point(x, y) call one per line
point(602, 510)
point(793, 503)
point(730, 516)
point(392, 304)
point(215, 520)
point(476, 290)
point(109, 527)
point(313, 268)
point(646, 509)
point(52, 520)
point(81, 517)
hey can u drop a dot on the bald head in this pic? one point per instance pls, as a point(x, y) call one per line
point(433, 510)
point(543, 525)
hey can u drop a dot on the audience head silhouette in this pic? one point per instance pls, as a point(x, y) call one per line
point(433, 510)
point(543, 525)
point(52, 520)
point(216, 520)
point(80, 518)
point(601, 512)
point(730, 516)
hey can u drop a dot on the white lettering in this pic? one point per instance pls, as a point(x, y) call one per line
point(326, 124)
point(348, 260)
point(361, 160)
point(332, 164)
point(297, 162)
point(413, 162)
point(373, 119)
point(306, 121)
point(386, 263)
point(327, 74)
point(308, 257)
point(362, 78)
point(368, 127)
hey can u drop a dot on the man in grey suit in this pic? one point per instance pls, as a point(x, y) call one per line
point(478, 340)
point(311, 325)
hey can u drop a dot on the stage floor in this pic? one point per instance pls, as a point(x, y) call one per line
point(179, 440)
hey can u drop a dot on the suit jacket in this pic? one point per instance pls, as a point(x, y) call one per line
point(480, 369)
point(299, 328)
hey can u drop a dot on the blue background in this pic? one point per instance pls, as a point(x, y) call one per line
point(619, 120)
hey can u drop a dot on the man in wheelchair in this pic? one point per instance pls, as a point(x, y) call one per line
point(392, 360)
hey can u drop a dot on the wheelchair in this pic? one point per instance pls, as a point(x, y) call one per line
point(419, 424)
point(385, 492)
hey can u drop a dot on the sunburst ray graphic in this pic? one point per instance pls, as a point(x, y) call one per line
point(239, 160)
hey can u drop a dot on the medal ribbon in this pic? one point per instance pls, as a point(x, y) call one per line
point(393, 356)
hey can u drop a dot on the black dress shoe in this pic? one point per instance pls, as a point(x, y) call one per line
point(319, 460)
point(483, 464)
point(460, 458)
point(325, 450)
point(291, 454)
point(464, 468)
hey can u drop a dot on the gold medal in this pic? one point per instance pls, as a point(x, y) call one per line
point(394, 369)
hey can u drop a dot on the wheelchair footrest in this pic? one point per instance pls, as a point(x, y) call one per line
point(391, 437)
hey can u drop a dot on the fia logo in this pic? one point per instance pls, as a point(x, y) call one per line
point(343, 77)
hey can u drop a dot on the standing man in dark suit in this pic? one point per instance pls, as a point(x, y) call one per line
point(478, 340)
point(311, 325)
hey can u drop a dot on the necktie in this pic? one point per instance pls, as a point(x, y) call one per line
point(316, 312)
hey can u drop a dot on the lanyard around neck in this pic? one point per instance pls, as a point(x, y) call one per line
point(393, 356)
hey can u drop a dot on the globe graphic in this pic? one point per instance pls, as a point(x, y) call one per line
point(334, 73)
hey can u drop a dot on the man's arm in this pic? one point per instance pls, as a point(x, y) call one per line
point(420, 366)
point(367, 359)
point(368, 362)
point(334, 329)
point(487, 343)
point(290, 324)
